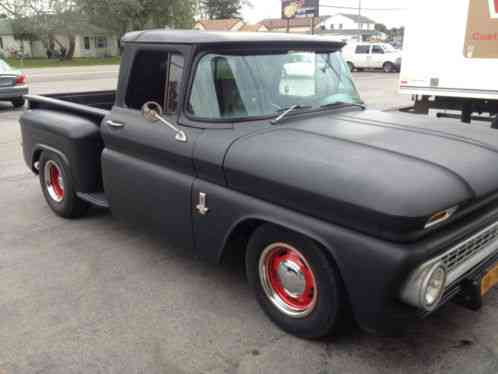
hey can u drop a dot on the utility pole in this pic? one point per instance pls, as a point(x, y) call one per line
point(359, 24)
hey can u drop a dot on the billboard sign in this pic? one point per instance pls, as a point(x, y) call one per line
point(481, 39)
point(300, 8)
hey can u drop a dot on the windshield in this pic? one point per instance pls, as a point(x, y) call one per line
point(229, 86)
point(4, 67)
point(389, 48)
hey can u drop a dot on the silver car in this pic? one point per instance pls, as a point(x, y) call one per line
point(12, 85)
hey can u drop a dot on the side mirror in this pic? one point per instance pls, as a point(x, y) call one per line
point(153, 112)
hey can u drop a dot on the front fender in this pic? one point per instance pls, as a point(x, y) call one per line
point(372, 269)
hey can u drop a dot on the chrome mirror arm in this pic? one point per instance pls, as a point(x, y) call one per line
point(152, 112)
point(180, 135)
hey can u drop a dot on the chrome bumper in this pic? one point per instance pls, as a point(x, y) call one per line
point(13, 92)
point(458, 262)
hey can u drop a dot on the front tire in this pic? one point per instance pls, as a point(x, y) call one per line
point(296, 284)
point(58, 187)
point(389, 67)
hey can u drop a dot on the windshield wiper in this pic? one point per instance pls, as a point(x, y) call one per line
point(343, 104)
point(286, 111)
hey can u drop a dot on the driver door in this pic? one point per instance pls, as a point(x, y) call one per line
point(147, 173)
point(377, 60)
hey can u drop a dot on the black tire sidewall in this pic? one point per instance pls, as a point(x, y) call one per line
point(388, 67)
point(18, 103)
point(323, 320)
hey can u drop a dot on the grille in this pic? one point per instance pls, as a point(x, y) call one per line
point(470, 247)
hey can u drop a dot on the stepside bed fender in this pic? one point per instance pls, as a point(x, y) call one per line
point(76, 139)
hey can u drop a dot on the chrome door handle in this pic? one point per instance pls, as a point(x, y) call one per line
point(117, 125)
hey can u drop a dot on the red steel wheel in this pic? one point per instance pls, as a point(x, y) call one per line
point(288, 280)
point(54, 181)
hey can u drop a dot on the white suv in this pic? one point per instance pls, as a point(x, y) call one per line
point(372, 56)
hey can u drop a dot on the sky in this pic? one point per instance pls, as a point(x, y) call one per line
point(271, 9)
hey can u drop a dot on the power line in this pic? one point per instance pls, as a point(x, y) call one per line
point(367, 9)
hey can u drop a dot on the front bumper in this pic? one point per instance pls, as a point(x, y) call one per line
point(377, 304)
point(457, 261)
point(14, 92)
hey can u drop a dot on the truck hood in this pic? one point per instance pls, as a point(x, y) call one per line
point(374, 171)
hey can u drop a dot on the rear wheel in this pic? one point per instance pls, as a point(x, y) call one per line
point(17, 103)
point(58, 187)
point(389, 67)
point(296, 284)
point(494, 124)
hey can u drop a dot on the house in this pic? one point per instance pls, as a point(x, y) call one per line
point(343, 21)
point(231, 24)
point(8, 43)
point(254, 28)
point(301, 25)
point(348, 27)
point(91, 41)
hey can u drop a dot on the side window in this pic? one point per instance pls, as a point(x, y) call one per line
point(377, 49)
point(155, 76)
point(363, 49)
point(175, 75)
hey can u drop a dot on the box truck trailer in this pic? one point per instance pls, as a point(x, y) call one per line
point(450, 59)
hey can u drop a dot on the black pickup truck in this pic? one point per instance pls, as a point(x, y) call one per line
point(258, 145)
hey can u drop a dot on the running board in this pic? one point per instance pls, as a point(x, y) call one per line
point(97, 198)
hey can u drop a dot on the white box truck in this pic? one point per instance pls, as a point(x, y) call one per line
point(450, 58)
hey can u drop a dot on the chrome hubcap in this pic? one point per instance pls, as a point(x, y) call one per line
point(54, 182)
point(287, 280)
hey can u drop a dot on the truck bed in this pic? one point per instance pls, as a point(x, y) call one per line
point(92, 105)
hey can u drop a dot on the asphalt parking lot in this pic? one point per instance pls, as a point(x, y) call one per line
point(96, 296)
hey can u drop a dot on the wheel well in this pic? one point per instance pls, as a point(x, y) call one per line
point(36, 158)
point(236, 244)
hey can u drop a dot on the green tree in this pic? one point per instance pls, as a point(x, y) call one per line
point(44, 20)
point(381, 27)
point(221, 9)
point(120, 16)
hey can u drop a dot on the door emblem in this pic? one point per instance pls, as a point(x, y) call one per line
point(201, 207)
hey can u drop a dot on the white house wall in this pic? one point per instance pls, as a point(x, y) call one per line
point(346, 22)
point(9, 43)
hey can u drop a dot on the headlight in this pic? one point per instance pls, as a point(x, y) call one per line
point(434, 287)
point(425, 286)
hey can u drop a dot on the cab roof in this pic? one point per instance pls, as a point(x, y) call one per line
point(230, 37)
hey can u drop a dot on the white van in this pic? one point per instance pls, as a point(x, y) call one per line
point(372, 56)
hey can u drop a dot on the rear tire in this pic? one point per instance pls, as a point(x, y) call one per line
point(58, 187)
point(296, 284)
point(494, 124)
point(18, 103)
point(389, 67)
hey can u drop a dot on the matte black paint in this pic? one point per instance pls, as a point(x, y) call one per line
point(360, 183)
